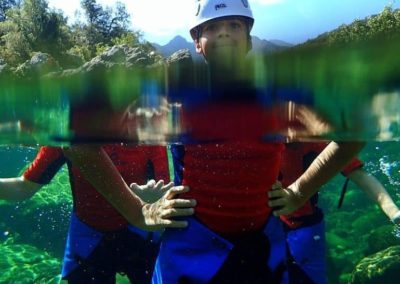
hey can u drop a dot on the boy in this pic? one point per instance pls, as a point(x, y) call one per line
point(305, 228)
point(232, 238)
point(100, 243)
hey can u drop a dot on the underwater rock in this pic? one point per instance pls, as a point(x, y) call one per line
point(336, 241)
point(367, 222)
point(46, 214)
point(382, 267)
point(380, 239)
point(21, 263)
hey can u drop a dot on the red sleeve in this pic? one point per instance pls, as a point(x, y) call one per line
point(159, 158)
point(45, 166)
point(352, 166)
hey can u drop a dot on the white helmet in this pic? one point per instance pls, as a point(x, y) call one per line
point(212, 9)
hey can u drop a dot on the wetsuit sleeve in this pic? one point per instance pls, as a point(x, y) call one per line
point(159, 158)
point(352, 166)
point(46, 165)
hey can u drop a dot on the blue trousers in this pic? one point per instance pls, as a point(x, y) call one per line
point(197, 255)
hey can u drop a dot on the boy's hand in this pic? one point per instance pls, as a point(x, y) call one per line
point(160, 214)
point(284, 200)
point(152, 191)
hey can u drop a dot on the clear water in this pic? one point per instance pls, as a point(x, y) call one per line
point(32, 233)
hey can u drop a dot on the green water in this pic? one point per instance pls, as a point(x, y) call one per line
point(32, 233)
point(354, 88)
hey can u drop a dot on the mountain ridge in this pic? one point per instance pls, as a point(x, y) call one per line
point(259, 45)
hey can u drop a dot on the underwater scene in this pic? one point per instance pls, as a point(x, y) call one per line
point(218, 157)
point(362, 244)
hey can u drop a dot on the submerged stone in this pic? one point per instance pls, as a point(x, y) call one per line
point(382, 267)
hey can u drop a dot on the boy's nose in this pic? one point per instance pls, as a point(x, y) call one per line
point(223, 30)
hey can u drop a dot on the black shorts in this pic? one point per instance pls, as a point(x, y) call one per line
point(247, 262)
point(119, 252)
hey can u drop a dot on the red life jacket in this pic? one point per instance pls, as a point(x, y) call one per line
point(90, 206)
point(230, 180)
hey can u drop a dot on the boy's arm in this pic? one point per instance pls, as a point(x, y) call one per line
point(17, 188)
point(375, 190)
point(329, 162)
point(40, 172)
point(98, 169)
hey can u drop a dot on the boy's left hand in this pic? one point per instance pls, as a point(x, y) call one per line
point(152, 191)
point(284, 201)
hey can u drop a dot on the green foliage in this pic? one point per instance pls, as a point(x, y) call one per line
point(386, 24)
point(103, 26)
point(33, 28)
point(5, 5)
point(100, 48)
point(130, 39)
point(14, 46)
point(30, 26)
point(82, 51)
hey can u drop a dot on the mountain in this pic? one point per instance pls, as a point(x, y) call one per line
point(259, 45)
point(175, 44)
point(268, 46)
point(280, 42)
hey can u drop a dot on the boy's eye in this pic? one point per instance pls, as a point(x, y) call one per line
point(235, 25)
point(210, 27)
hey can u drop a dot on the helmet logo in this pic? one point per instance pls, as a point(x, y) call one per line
point(220, 6)
point(245, 3)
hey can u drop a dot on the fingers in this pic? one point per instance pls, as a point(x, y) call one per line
point(277, 193)
point(134, 186)
point(176, 190)
point(174, 224)
point(181, 203)
point(280, 212)
point(277, 185)
point(152, 183)
point(160, 186)
point(177, 212)
point(277, 202)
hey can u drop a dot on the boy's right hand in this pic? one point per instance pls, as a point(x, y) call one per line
point(283, 200)
point(160, 214)
point(152, 191)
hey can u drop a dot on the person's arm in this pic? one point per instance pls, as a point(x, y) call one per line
point(17, 188)
point(375, 190)
point(94, 163)
point(328, 163)
point(39, 173)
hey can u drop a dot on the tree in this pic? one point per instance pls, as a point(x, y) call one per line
point(103, 26)
point(6, 5)
point(33, 27)
point(386, 24)
point(121, 21)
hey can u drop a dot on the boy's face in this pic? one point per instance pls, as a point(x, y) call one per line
point(223, 40)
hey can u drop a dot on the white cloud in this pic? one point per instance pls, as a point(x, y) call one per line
point(160, 17)
point(156, 18)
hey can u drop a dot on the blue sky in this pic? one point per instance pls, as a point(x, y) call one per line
point(293, 21)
